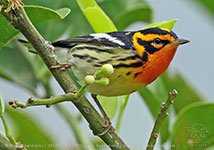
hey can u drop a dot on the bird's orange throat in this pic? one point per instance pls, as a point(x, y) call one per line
point(157, 64)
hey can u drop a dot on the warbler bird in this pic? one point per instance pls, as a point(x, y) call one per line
point(138, 57)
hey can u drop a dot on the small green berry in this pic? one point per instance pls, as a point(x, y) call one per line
point(107, 69)
point(89, 79)
point(102, 81)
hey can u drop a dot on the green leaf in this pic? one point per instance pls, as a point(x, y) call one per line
point(158, 88)
point(76, 23)
point(73, 25)
point(99, 21)
point(208, 4)
point(193, 128)
point(7, 32)
point(154, 103)
point(186, 94)
point(151, 100)
point(133, 11)
point(2, 105)
point(109, 104)
point(37, 14)
point(28, 130)
point(123, 13)
point(63, 12)
point(18, 70)
point(166, 24)
point(42, 72)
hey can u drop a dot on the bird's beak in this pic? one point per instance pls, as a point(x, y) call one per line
point(179, 41)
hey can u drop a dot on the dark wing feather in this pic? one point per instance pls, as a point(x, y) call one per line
point(124, 37)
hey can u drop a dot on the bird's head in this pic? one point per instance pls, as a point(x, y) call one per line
point(156, 47)
point(153, 40)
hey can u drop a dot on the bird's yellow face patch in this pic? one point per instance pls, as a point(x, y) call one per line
point(140, 48)
point(152, 42)
point(157, 45)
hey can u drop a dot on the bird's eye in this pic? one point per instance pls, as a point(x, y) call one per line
point(157, 41)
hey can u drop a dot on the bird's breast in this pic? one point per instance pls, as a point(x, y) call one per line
point(156, 65)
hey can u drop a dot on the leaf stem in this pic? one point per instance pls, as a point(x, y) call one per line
point(161, 116)
point(80, 91)
point(123, 104)
point(7, 132)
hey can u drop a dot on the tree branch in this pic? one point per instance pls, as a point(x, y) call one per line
point(46, 101)
point(161, 116)
point(21, 22)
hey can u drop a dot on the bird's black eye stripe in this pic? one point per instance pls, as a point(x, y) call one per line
point(159, 41)
point(148, 46)
point(142, 42)
point(165, 42)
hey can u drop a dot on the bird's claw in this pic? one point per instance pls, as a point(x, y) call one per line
point(107, 126)
point(61, 66)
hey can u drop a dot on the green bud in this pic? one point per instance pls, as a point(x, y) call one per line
point(102, 81)
point(107, 69)
point(89, 79)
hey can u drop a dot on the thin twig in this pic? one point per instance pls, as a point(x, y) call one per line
point(21, 22)
point(161, 116)
point(47, 102)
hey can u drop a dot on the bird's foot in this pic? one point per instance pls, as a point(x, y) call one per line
point(61, 66)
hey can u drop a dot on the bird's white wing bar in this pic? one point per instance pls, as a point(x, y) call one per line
point(98, 36)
